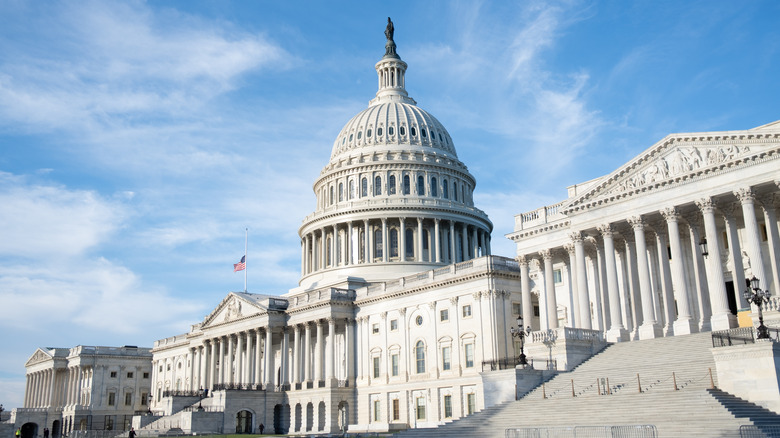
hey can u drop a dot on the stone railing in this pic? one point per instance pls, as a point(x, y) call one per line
point(566, 333)
point(740, 336)
point(384, 203)
point(539, 216)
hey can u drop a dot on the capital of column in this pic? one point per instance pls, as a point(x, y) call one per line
point(432, 305)
point(546, 254)
point(637, 223)
point(768, 201)
point(606, 230)
point(522, 260)
point(706, 205)
point(454, 301)
point(670, 214)
point(402, 311)
point(477, 296)
point(383, 315)
point(576, 236)
point(745, 195)
point(569, 248)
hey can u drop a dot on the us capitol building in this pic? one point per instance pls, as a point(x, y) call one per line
point(402, 315)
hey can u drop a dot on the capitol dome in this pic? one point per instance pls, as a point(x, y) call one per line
point(394, 198)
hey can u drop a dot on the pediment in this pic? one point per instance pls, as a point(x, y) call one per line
point(680, 157)
point(233, 307)
point(39, 356)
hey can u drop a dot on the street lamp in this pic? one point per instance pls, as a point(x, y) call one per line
point(754, 294)
point(1, 412)
point(703, 247)
point(519, 332)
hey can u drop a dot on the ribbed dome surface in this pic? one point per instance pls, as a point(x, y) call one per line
point(389, 124)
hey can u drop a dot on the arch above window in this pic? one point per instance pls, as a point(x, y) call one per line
point(419, 356)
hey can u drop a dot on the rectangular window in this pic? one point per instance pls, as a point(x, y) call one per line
point(557, 277)
point(444, 315)
point(109, 422)
point(421, 408)
point(536, 310)
point(471, 403)
point(448, 406)
point(469, 348)
point(113, 374)
point(393, 325)
point(376, 367)
point(467, 311)
point(146, 375)
point(144, 397)
point(375, 328)
point(445, 358)
point(130, 375)
point(377, 411)
point(128, 399)
point(111, 399)
point(396, 409)
point(517, 309)
point(394, 359)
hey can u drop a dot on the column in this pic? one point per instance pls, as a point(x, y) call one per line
point(229, 361)
point(616, 332)
point(549, 288)
point(239, 378)
point(348, 251)
point(349, 350)
point(222, 364)
point(453, 246)
point(366, 245)
point(571, 285)
point(649, 328)
point(752, 237)
point(306, 355)
point(722, 318)
point(331, 353)
point(323, 249)
point(194, 359)
point(684, 324)
point(773, 241)
point(334, 242)
point(269, 360)
point(598, 317)
point(464, 242)
point(665, 277)
point(437, 239)
point(296, 368)
point(735, 249)
point(585, 319)
point(402, 240)
point(474, 243)
point(525, 290)
point(702, 291)
point(319, 371)
point(285, 357)
point(418, 255)
point(385, 245)
point(258, 357)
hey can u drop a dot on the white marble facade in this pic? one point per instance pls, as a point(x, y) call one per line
point(623, 253)
point(84, 388)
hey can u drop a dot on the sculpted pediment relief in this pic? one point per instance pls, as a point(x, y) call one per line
point(38, 357)
point(679, 157)
point(231, 308)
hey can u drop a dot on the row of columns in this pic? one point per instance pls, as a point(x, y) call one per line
point(247, 358)
point(673, 271)
point(52, 387)
point(357, 243)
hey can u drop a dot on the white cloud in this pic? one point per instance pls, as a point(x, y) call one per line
point(48, 222)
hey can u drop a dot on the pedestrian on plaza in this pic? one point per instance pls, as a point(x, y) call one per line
point(45, 432)
point(261, 428)
point(132, 433)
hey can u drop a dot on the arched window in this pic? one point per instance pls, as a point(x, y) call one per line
point(390, 130)
point(378, 132)
point(331, 194)
point(364, 188)
point(434, 187)
point(409, 243)
point(328, 261)
point(413, 131)
point(445, 189)
point(419, 354)
point(402, 130)
point(420, 185)
point(378, 243)
point(407, 185)
point(424, 133)
point(454, 190)
point(463, 193)
point(393, 243)
point(377, 185)
point(341, 192)
point(351, 189)
point(391, 185)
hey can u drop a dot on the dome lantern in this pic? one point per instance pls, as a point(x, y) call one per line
point(391, 72)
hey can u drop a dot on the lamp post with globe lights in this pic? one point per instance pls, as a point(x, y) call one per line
point(520, 332)
point(755, 295)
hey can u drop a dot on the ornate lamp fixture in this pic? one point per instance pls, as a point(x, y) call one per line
point(755, 295)
point(519, 332)
point(703, 246)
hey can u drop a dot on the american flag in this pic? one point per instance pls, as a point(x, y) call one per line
point(240, 266)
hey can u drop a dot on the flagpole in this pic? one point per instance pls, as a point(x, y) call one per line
point(246, 244)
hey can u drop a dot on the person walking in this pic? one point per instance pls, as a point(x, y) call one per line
point(132, 433)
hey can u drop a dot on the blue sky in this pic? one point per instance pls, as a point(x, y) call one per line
point(138, 140)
